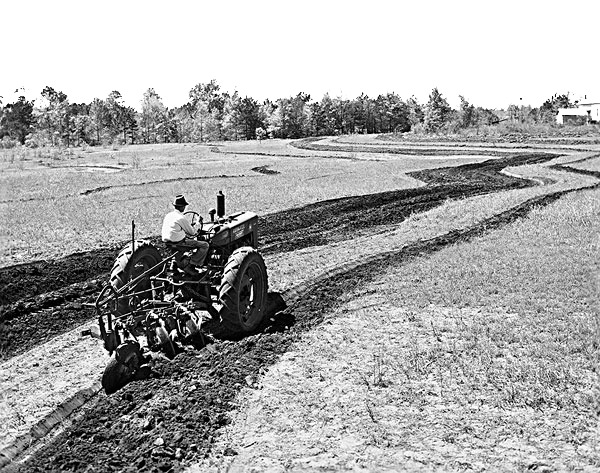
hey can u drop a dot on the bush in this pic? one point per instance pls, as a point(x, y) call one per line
point(37, 140)
point(261, 133)
point(8, 143)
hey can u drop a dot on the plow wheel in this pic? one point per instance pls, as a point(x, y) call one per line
point(115, 376)
point(122, 367)
point(243, 290)
point(129, 264)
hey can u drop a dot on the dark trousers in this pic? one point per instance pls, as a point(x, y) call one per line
point(200, 249)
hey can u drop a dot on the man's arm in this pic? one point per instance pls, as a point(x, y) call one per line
point(186, 226)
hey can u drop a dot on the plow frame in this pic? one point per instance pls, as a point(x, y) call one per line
point(150, 317)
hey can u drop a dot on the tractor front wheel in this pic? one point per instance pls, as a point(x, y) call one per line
point(243, 290)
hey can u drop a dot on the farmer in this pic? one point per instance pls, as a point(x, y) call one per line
point(178, 230)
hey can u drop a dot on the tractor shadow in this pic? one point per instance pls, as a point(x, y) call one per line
point(276, 320)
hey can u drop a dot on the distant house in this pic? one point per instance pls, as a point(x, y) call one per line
point(587, 111)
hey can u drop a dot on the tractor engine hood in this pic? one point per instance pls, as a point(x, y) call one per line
point(235, 227)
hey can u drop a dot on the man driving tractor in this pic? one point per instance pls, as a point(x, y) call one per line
point(178, 230)
point(147, 296)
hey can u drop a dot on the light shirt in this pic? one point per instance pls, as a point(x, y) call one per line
point(176, 227)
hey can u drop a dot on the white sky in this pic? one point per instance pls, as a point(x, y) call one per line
point(491, 52)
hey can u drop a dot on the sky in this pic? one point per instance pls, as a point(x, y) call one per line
point(494, 53)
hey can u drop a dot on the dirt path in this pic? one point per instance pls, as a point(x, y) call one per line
point(187, 402)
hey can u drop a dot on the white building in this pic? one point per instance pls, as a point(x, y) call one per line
point(587, 111)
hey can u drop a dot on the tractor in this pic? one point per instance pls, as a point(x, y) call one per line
point(151, 303)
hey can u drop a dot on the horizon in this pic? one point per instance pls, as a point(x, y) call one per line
point(493, 55)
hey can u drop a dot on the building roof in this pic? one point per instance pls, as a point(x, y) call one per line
point(575, 111)
point(587, 101)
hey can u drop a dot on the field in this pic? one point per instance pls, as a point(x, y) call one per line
point(437, 309)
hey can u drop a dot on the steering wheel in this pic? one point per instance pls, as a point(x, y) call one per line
point(195, 215)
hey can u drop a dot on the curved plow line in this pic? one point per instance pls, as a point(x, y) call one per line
point(295, 297)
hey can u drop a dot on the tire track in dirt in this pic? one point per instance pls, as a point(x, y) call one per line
point(147, 183)
point(49, 422)
point(334, 220)
point(134, 184)
point(416, 149)
point(303, 156)
point(429, 149)
point(477, 142)
point(172, 418)
point(34, 296)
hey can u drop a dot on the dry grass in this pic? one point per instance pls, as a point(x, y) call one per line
point(483, 356)
point(287, 270)
point(45, 200)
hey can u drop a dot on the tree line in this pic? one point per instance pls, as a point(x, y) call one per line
point(212, 114)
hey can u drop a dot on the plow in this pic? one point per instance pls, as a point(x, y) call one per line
point(153, 303)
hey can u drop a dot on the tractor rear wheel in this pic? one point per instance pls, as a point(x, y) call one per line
point(130, 263)
point(243, 290)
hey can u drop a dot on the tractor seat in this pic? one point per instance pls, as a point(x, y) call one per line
point(173, 246)
point(177, 249)
point(179, 246)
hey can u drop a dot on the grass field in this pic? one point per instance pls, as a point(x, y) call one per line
point(483, 356)
point(87, 199)
point(461, 335)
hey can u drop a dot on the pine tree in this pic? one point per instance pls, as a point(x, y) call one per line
point(16, 119)
point(467, 113)
point(437, 112)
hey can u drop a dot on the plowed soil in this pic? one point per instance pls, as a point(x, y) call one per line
point(173, 417)
point(44, 298)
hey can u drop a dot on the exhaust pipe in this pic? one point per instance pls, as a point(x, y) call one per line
point(220, 204)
